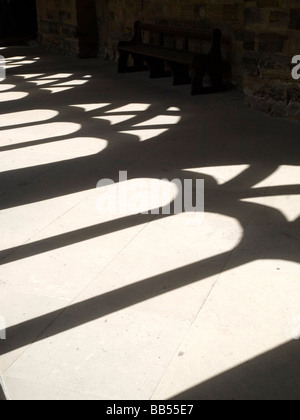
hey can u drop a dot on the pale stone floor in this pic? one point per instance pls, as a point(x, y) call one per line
point(102, 306)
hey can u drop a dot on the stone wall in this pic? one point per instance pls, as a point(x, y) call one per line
point(68, 25)
point(116, 17)
point(57, 21)
point(265, 35)
point(271, 40)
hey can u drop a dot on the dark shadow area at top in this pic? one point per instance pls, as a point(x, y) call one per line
point(211, 133)
point(18, 21)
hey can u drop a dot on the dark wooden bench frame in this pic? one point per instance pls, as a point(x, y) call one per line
point(180, 61)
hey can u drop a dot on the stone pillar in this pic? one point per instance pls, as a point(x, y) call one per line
point(87, 28)
point(68, 25)
point(271, 40)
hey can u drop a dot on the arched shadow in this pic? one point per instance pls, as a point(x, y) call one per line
point(216, 143)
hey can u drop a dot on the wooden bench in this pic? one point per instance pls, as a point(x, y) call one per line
point(183, 50)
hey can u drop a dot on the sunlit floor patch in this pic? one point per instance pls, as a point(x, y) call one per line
point(21, 223)
point(26, 117)
point(42, 82)
point(288, 205)
point(12, 66)
point(131, 108)
point(252, 310)
point(138, 196)
point(54, 90)
point(19, 64)
point(91, 107)
point(173, 109)
point(16, 58)
point(221, 174)
point(72, 83)
point(37, 132)
point(12, 96)
point(116, 119)
point(50, 153)
point(160, 120)
point(27, 62)
point(284, 175)
point(145, 135)
point(59, 76)
point(30, 76)
point(4, 88)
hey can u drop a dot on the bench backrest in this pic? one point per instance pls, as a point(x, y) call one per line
point(178, 38)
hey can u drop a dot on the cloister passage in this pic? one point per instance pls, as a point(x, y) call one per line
point(100, 304)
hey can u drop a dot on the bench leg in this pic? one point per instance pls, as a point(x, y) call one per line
point(157, 68)
point(123, 62)
point(201, 67)
point(138, 60)
point(139, 63)
point(216, 78)
point(181, 73)
point(199, 70)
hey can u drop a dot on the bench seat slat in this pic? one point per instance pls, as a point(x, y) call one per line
point(146, 56)
point(183, 57)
